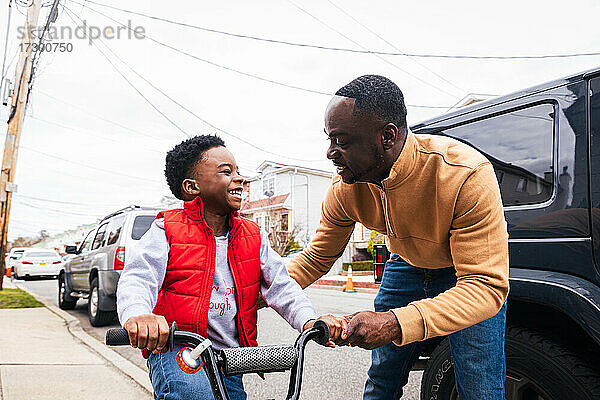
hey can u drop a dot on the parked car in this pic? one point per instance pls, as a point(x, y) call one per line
point(35, 262)
point(544, 143)
point(94, 270)
point(13, 255)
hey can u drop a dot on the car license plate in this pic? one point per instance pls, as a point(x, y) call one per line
point(42, 263)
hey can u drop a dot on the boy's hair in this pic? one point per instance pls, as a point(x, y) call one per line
point(183, 157)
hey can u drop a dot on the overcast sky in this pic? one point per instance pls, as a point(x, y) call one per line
point(93, 143)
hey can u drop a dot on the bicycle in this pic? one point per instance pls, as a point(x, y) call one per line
point(239, 360)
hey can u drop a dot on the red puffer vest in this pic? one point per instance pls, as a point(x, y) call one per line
point(185, 294)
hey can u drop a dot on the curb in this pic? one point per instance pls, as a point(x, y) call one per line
point(361, 287)
point(73, 325)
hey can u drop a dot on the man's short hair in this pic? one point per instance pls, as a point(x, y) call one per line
point(378, 96)
point(183, 157)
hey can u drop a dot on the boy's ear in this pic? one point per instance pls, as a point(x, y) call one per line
point(190, 188)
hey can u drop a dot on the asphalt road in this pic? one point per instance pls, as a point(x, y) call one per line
point(329, 373)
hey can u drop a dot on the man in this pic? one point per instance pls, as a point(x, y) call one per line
point(438, 203)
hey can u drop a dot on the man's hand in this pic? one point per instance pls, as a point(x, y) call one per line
point(338, 327)
point(149, 331)
point(369, 330)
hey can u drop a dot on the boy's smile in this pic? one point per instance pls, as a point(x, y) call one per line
point(217, 181)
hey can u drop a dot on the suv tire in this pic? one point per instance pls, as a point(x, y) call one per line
point(536, 364)
point(65, 301)
point(96, 316)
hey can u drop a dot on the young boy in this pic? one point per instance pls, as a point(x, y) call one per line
point(204, 266)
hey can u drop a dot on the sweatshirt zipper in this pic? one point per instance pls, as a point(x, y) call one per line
point(385, 211)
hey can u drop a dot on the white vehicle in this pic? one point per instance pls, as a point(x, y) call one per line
point(37, 262)
point(14, 254)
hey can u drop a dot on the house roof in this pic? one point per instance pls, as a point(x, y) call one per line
point(286, 167)
point(271, 202)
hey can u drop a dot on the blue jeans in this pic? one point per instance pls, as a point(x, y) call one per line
point(477, 351)
point(171, 383)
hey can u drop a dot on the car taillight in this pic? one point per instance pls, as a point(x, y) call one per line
point(26, 262)
point(120, 258)
point(56, 262)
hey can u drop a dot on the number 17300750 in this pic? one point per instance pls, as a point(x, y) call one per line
point(47, 47)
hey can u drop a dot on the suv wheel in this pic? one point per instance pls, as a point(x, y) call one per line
point(537, 368)
point(96, 316)
point(65, 301)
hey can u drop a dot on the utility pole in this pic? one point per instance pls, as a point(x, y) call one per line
point(15, 123)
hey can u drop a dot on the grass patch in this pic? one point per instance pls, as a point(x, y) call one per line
point(17, 298)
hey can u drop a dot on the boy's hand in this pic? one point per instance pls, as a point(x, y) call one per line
point(338, 327)
point(149, 331)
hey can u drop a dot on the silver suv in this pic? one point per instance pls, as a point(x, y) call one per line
point(93, 270)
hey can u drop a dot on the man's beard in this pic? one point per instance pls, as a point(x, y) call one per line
point(364, 174)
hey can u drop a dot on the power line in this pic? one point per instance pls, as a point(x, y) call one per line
point(98, 116)
point(214, 63)
point(88, 132)
point(67, 202)
point(393, 46)
point(237, 71)
point(57, 211)
point(331, 48)
point(69, 12)
point(6, 46)
point(196, 115)
point(376, 55)
point(118, 173)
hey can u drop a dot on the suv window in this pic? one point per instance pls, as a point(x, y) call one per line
point(99, 238)
point(85, 245)
point(141, 224)
point(114, 229)
point(520, 146)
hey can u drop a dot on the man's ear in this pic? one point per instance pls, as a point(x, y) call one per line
point(390, 136)
point(190, 188)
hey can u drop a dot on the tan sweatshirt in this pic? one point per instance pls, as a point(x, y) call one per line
point(439, 207)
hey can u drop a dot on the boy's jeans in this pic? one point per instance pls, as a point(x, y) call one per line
point(478, 351)
point(171, 383)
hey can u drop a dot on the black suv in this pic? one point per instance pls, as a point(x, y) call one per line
point(544, 143)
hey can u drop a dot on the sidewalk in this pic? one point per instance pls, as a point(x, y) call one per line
point(362, 282)
point(45, 354)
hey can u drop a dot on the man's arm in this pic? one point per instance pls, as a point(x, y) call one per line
point(333, 234)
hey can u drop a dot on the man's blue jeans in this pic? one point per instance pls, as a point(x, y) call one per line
point(478, 351)
point(171, 383)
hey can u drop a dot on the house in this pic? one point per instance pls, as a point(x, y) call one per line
point(286, 198)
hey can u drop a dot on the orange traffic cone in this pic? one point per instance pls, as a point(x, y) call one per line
point(349, 288)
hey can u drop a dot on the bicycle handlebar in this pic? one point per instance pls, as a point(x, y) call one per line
point(241, 360)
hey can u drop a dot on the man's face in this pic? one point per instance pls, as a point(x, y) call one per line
point(219, 182)
point(354, 147)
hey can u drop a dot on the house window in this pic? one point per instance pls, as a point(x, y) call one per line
point(285, 222)
point(522, 185)
point(268, 186)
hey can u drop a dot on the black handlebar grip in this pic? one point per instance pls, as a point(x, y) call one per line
point(323, 338)
point(117, 337)
point(243, 360)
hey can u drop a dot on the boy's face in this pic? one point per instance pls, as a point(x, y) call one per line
point(217, 181)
